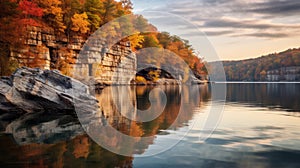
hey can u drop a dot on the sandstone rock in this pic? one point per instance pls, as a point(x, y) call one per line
point(47, 49)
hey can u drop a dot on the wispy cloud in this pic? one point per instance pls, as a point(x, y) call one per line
point(208, 32)
point(259, 18)
point(276, 8)
point(267, 35)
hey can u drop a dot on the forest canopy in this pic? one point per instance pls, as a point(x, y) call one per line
point(81, 18)
point(256, 69)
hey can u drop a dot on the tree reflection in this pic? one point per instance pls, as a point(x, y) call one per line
point(271, 95)
point(82, 151)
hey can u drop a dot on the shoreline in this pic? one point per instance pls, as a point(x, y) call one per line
point(102, 86)
point(258, 82)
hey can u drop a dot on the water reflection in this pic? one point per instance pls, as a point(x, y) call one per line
point(116, 132)
point(41, 140)
point(78, 152)
point(271, 95)
point(250, 134)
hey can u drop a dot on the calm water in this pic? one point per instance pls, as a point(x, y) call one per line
point(260, 127)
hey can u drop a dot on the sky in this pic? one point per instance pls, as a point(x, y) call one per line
point(227, 29)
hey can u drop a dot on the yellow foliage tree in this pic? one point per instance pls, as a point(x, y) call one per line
point(80, 23)
point(136, 40)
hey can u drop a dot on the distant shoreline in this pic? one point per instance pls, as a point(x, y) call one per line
point(237, 82)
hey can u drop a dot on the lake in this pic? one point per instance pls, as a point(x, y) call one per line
point(164, 126)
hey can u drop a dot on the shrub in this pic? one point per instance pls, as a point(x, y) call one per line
point(140, 80)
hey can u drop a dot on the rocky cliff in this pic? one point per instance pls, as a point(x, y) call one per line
point(109, 66)
point(47, 49)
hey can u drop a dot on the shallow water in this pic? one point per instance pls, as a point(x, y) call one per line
point(259, 127)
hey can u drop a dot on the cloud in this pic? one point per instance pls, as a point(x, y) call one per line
point(247, 24)
point(230, 23)
point(265, 35)
point(275, 8)
point(207, 33)
point(217, 33)
point(260, 17)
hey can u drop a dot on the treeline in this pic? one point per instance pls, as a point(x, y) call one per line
point(256, 69)
point(81, 17)
point(177, 46)
point(64, 16)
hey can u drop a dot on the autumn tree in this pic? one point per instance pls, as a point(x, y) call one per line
point(150, 41)
point(53, 13)
point(141, 24)
point(127, 5)
point(128, 30)
point(7, 36)
point(15, 17)
point(109, 11)
point(30, 13)
point(93, 9)
point(9, 13)
point(80, 23)
point(70, 8)
point(164, 39)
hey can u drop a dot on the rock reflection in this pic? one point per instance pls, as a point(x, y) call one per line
point(44, 128)
point(58, 141)
point(113, 129)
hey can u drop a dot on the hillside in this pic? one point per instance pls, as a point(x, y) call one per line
point(50, 34)
point(273, 67)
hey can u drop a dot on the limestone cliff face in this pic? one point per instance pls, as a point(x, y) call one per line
point(47, 49)
point(98, 64)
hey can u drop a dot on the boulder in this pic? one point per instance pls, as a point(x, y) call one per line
point(32, 90)
point(46, 93)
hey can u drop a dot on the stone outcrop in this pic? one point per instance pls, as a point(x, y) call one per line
point(42, 91)
point(46, 49)
point(96, 62)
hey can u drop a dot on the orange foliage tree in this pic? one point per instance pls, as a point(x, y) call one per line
point(80, 23)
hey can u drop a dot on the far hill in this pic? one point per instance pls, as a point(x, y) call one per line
point(283, 66)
